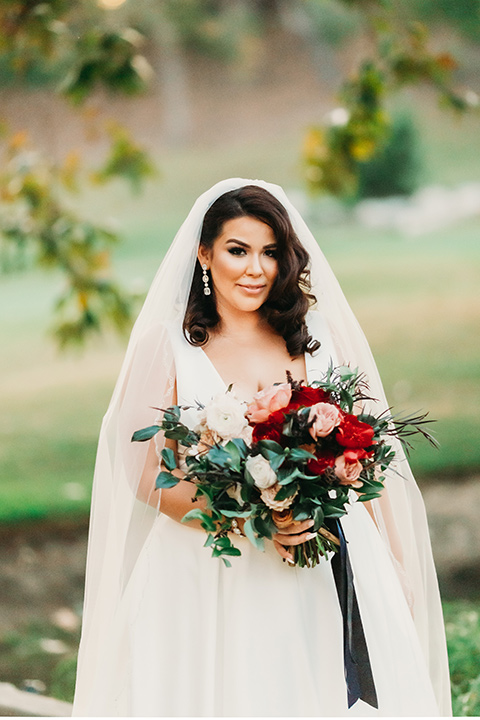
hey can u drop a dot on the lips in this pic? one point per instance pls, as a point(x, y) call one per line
point(252, 288)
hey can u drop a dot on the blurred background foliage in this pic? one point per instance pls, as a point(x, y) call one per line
point(116, 115)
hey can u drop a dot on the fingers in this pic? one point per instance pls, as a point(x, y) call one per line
point(297, 527)
point(283, 552)
point(294, 539)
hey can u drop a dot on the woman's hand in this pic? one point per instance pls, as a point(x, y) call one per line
point(294, 534)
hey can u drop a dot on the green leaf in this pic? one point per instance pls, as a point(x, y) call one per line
point(218, 456)
point(232, 551)
point(276, 462)
point(172, 414)
point(286, 491)
point(236, 513)
point(262, 527)
point(301, 515)
point(235, 455)
point(241, 446)
point(298, 454)
point(318, 516)
point(287, 475)
point(367, 496)
point(227, 562)
point(267, 447)
point(166, 480)
point(169, 459)
point(249, 532)
point(145, 433)
point(209, 540)
point(196, 514)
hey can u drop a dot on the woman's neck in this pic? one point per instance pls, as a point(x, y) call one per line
point(241, 325)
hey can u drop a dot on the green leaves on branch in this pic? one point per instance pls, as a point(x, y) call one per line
point(76, 36)
point(37, 226)
point(359, 128)
point(109, 58)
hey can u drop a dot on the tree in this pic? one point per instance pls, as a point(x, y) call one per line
point(355, 132)
point(87, 45)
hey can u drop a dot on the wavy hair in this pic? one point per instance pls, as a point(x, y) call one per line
point(290, 296)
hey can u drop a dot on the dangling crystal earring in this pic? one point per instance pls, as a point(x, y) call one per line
point(206, 288)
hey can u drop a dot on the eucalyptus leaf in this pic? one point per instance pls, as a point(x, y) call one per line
point(297, 454)
point(232, 551)
point(197, 514)
point(236, 513)
point(210, 539)
point(286, 491)
point(169, 460)
point(318, 516)
point(269, 446)
point(249, 532)
point(145, 433)
point(172, 414)
point(166, 480)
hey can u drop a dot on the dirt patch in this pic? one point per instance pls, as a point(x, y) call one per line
point(42, 569)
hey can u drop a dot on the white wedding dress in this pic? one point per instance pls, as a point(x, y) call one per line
point(259, 638)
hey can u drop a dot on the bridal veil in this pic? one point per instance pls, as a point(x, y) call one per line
point(123, 511)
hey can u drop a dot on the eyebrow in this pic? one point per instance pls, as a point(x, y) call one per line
point(246, 245)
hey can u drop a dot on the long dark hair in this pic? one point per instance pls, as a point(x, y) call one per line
point(289, 298)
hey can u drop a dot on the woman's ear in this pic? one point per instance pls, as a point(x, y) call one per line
point(203, 256)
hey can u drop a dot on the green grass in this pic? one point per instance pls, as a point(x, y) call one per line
point(462, 624)
point(417, 300)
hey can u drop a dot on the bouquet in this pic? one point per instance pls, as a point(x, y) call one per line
point(295, 452)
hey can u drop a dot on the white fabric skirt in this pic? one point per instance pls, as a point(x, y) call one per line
point(262, 638)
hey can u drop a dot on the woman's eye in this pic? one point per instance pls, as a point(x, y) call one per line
point(236, 251)
point(271, 253)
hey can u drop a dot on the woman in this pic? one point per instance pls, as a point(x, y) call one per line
point(167, 629)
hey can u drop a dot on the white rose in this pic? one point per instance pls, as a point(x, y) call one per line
point(261, 472)
point(225, 415)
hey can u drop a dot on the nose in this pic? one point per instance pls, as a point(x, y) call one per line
point(255, 266)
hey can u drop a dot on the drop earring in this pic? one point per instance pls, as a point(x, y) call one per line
point(206, 287)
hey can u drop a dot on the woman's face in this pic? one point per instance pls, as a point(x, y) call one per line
point(242, 264)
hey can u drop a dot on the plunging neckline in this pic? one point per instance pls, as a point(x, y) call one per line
point(226, 385)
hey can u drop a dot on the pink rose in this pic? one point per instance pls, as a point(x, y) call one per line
point(325, 417)
point(348, 473)
point(268, 401)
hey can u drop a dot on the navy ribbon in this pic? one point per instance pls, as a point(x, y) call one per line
point(358, 671)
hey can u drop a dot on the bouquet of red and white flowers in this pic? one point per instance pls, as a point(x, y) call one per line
point(295, 452)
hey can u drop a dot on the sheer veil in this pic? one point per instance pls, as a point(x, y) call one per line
point(123, 511)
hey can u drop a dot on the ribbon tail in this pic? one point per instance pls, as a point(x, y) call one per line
point(358, 671)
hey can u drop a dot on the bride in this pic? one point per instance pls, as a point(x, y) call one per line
point(243, 295)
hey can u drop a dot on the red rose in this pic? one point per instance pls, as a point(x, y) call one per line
point(320, 464)
point(307, 396)
point(352, 433)
point(267, 431)
point(353, 455)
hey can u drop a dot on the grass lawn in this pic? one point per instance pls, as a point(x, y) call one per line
point(417, 300)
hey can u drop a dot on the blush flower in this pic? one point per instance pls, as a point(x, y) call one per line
point(348, 472)
point(324, 417)
point(268, 497)
point(268, 401)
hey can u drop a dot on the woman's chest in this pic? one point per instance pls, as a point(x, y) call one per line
point(250, 369)
point(199, 379)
